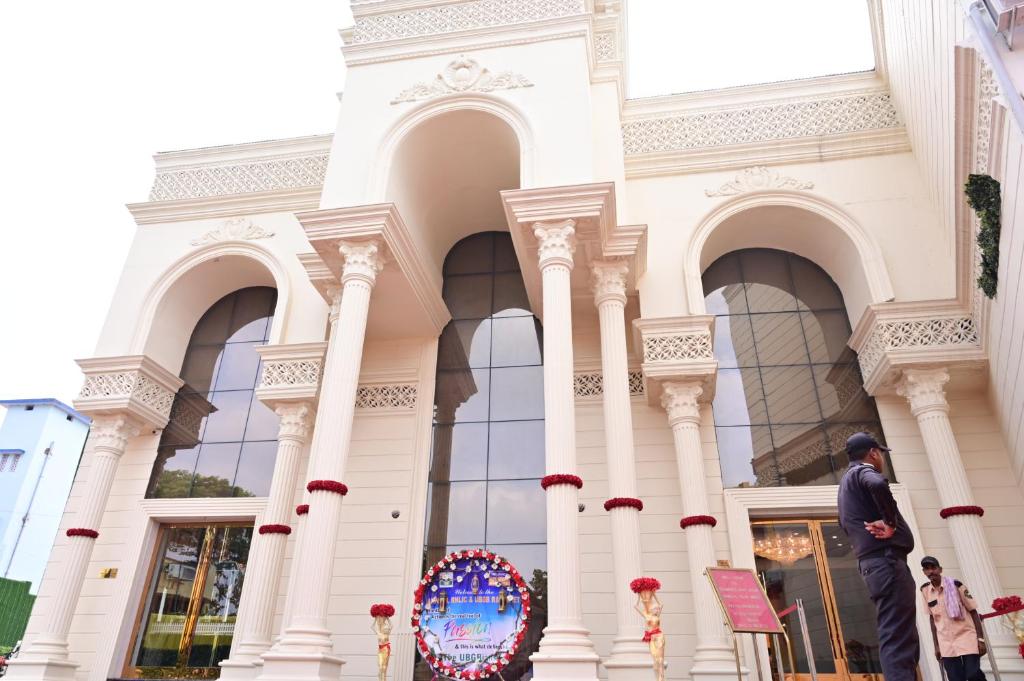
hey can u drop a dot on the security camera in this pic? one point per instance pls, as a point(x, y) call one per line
point(396, 513)
point(582, 507)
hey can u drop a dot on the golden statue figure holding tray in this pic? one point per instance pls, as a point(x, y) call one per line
point(649, 607)
point(381, 613)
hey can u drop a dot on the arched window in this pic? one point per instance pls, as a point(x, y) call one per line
point(488, 438)
point(221, 440)
point(789, 389)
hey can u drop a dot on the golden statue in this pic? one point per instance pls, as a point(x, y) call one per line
point(442, 603)
point(381, 613)
point(502, 600)
point(475, 585)
point(649, 607)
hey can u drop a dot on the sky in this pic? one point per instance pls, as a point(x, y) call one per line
point(93, 89)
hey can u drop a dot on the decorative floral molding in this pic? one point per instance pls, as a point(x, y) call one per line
point(386, 396)
point(988, 89)
point(462, 16)
point(234, 229)
point(591, 385)
point(678, 347)
point(762, 123)
point(758, 177)
point(240, 178)
point(296, 372)
point(914, 333)
point(605, 48)
point(128, 386)
point(462, 75)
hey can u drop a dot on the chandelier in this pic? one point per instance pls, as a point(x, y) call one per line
point(784, 549)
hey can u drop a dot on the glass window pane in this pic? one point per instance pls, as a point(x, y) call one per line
point(814, 288)
point(212, 328)
point(468, 296)
point(200, 367)
point(767, 281)
point(465, 344)
point(723, 287)
point(527, 558)
point(854, 608)
point(746, 456)
point(225, 573)
point(227, 424)
point(215, 470)
point(263, 423)
point(516, 341)
point(251, 317)
point(779, 339)
point(516, 450)
point(510, 298)
point(739, 399)
point(827, 336)
point(734, 342)
point(239, 367)
point(505, 259)
point(842, 393)
point(172, 472)
point(456, 512)
point(791, 395)
point(255, 469)
point(460, 452)
point(517, 393)
point(461, 396)
point(515, 512)
point(802, 455)
point(472, 255)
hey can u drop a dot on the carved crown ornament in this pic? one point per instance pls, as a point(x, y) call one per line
point(235, 229)
point(462, 75)
point(755, 179)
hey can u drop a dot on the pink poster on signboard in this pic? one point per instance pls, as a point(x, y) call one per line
point(745, 603)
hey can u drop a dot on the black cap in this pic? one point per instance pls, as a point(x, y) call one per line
point(861, 442)
point(930, 561)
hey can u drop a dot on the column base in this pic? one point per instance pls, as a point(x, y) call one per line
point(1011, 665)
point(553, 667)
point(300, 666)
point(44, 669)
point(629, 667)
point(238, 671)
point(715, 663)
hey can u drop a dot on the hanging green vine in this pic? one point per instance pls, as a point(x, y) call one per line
point(983, 196)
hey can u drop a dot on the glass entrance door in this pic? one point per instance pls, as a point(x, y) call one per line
point(812, 560)
point(188, 620)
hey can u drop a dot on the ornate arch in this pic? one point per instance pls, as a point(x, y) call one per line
point(848, 252)
point(187, 289)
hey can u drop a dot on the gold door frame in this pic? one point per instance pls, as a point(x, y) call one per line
point(831, 607)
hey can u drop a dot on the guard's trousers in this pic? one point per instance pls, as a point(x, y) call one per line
point(892, 589)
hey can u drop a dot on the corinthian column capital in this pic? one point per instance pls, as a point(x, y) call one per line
point(924, 389)
point(608, 278)
point(296, 419)
point(681, 399)
point(111, 432)
point(557, 243)
point(363, 260)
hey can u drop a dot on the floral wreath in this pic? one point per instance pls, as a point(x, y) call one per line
point(506, 649)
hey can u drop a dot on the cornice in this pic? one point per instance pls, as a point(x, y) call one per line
point(130, 385)
point(277, 201)
point(290, 373)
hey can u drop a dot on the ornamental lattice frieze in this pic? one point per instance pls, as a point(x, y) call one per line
point(694, 346)
point(590, 385)
point(401, 396)
point(260, 175)
point(127, 385)
point(300, 372)
point(461, 16)
point(915, 334)
point(762, 123)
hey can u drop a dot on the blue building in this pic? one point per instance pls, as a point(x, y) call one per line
point(41, 442)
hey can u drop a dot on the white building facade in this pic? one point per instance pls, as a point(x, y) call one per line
point(331, 360)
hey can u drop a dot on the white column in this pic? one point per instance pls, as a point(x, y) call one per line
point(714, 656)
point(925, 390)
point(46, 656)
point(305, 650)
point(566, 651)
point(630, 657)
point(253, 629)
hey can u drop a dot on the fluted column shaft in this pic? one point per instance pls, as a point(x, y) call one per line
point(565, 639)
point(108, 437)
point(305, 648)
point(266, 557)
point(925, 390)
point(629, 655)
point(714, 654)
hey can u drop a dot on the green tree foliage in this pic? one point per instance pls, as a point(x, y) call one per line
point(983, 195)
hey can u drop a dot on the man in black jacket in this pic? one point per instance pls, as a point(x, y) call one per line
point(881, 541)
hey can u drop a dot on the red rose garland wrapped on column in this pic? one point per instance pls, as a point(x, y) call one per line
point(649, 607)
point(381, 614)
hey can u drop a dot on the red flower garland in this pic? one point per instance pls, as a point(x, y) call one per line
point(382, 610)
point(691, 520)
point(644, 584)
point(619, 502)
point(82, 532)
point(961, 510)
point(328, 486)
point(275, 529)
point(302, 509)
point(1007, 604)
point(561, 479)
point(443, 666)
